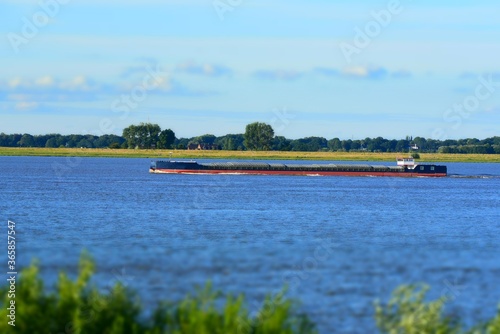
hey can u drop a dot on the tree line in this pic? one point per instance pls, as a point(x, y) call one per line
point(257, 136)
point(57, 140)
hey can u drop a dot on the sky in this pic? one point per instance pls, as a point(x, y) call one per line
point(346, 69)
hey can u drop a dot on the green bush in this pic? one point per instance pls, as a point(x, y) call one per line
point(78, 307)
point(407, 312)
point(415, 156)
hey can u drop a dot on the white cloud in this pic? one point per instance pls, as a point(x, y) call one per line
point(121, 3)
point(369, 72)
point(79, 83)
point(211, 70)
point(164, 84)
point(26, 105)
point(357, 71)
point(286, 75)
point(45, 81)
point(14, 83)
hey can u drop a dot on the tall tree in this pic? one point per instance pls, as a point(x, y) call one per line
point(166, 139)
point(203, 140)
point(27, 141)
point(144, 135)
point(129, 133)
point(230, 142)
point(51, 143)
point(259, 136)
point(310, 144)
point(402, 145)
point(281, 143)
point(335, 144)
point(150, 134)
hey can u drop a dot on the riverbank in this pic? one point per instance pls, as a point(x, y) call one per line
point(249, 155)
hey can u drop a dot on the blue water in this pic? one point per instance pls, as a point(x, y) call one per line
point(338, 242)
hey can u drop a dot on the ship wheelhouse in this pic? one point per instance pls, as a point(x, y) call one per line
point(408, 163)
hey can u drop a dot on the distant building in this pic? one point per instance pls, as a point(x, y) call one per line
point(203, 147)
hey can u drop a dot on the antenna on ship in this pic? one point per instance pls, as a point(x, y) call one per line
point(170, 156)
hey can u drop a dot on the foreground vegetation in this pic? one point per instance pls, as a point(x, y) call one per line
point(78, 307)
point(250, 155)
point(408, 312)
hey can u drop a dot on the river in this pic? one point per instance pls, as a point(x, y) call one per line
point(339, 243)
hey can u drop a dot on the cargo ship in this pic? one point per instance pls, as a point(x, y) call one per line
point(406, 167)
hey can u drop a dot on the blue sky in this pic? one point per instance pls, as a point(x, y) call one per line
point(308, 68)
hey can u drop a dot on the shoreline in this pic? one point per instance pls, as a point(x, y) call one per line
point(238, 155)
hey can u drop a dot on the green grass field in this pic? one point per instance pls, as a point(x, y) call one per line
point(257, 155)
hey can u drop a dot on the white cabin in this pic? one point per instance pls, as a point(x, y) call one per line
point(406, 162)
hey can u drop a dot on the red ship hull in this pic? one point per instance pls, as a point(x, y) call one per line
point(303, 173)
